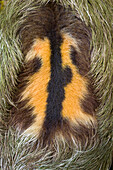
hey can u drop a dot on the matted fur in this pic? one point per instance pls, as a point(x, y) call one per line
point(17, 151)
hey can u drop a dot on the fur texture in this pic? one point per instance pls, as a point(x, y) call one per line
point(61, 143)
point(58, 97)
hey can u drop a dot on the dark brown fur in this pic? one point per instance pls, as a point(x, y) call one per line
point(38, 24)
point(80, 134)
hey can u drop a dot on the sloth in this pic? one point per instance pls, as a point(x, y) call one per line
point(53, 105)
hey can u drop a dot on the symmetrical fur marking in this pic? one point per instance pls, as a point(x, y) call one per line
point(54, 84)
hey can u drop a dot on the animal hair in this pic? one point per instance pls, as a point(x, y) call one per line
point(56, 84)
point(50, 21)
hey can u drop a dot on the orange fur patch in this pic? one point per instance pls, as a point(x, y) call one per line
point(77, 89)
point(36, 90)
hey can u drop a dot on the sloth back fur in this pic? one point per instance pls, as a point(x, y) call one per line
point(20, 152)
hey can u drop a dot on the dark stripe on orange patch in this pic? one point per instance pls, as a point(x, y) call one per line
point(74, 56)
point(80, 61)
point(55, 86)
point(33, 66)
point(67, 73)
point(59, 79)
point(29, 69)
point(36, 64)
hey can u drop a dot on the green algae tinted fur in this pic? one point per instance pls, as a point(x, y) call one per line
point(20, 152)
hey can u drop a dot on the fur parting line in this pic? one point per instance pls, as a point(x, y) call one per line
point(56, 84)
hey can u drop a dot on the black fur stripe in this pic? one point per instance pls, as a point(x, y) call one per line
point(55, 86)
point(67, 73)
point(59, 79)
